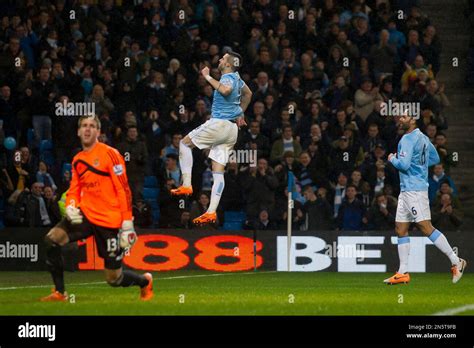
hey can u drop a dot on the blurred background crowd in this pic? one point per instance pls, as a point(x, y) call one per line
point(320, 72)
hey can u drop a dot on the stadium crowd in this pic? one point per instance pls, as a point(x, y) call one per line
point(320, 72)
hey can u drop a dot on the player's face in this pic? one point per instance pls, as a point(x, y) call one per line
point(88, 132)
point(223, 62)
point(405, 122)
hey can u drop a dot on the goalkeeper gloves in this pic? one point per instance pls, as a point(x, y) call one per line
point(74, 215)
point(127, 235)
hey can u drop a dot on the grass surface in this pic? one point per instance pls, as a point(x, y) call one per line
point(260, 293)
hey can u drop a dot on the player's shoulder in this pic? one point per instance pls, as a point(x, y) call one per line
point(111, 152)
point(230, 76)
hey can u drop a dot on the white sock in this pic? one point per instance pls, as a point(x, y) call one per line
point(185, 162)
point(216, 192)
point(442, 244)
point(403, 253)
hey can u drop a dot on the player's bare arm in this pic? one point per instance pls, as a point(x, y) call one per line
point(225, 90)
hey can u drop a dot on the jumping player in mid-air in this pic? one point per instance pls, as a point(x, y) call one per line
point(98, 203)
point(415, 154)
point(231, 98)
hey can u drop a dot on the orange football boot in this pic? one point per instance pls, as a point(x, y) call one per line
point(146, 293)
point(182, 191)
point(55, 296)
point(206, 218)
point(458, 270)
point(398, 278)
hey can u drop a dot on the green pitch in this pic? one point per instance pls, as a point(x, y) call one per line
point(252, 293)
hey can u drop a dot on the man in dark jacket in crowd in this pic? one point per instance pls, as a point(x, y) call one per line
point(135, 154)
point(381, 215)
point(446, 215)
point(34, 208)
point(259, 185)
point(318, 211)
point(351, 215)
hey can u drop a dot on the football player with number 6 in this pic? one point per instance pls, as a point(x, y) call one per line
point(415, 155)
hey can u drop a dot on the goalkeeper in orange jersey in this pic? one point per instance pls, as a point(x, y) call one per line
point(98, 203)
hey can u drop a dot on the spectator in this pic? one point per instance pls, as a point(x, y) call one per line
point(232, 196)
point(171, 170)
point(381, 215)
point(286, 143)
point(365, 97)
point(445, 215)
point(142, 214)
point(52, 206)
point(135, 154)
point(170, 206)
point(351, 214)
point(435, 181)
point(254, 140)
point(259, 184)
point(318, 213)
point(263, 223)
point(173, 148)
point(45, 178)
point(35, 208)
point(339, 192)
point(20, 177)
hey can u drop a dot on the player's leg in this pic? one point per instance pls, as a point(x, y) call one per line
point(54, 240)
point(109, 249)
point(186, 163)
point(219, 155)
point(402, 224)
point(216, 192)
point(439, 240)
point(64, 232)
point(125, 278)
point(202, 137)
point(403, 245)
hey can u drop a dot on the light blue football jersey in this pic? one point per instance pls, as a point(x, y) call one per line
point(415, 154)
point(228, 107)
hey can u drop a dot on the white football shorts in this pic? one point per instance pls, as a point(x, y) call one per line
point(413, 206)
point(219, 135)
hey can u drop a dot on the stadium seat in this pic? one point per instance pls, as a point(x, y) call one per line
point(150, 193)
point(66, 166)
point(46, 145)
point(30, 136)
point(234, 216)
point(151, 182)
point(230, 226)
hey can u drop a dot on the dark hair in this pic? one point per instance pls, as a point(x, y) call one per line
point(351, 185)
point(236, 61)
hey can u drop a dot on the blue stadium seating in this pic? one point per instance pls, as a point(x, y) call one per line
point(150, 181)
point(234, 216)
point(66, 166)
point(46, 152)
point(150, 193)
point(234, 225)
point(30, 137)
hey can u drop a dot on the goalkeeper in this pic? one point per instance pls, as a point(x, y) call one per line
point(98, 203)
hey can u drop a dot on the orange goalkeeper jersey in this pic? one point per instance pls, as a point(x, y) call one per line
point(99, 186)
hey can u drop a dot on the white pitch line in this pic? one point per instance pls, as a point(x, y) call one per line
point(158, 279)
point(456, 310)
